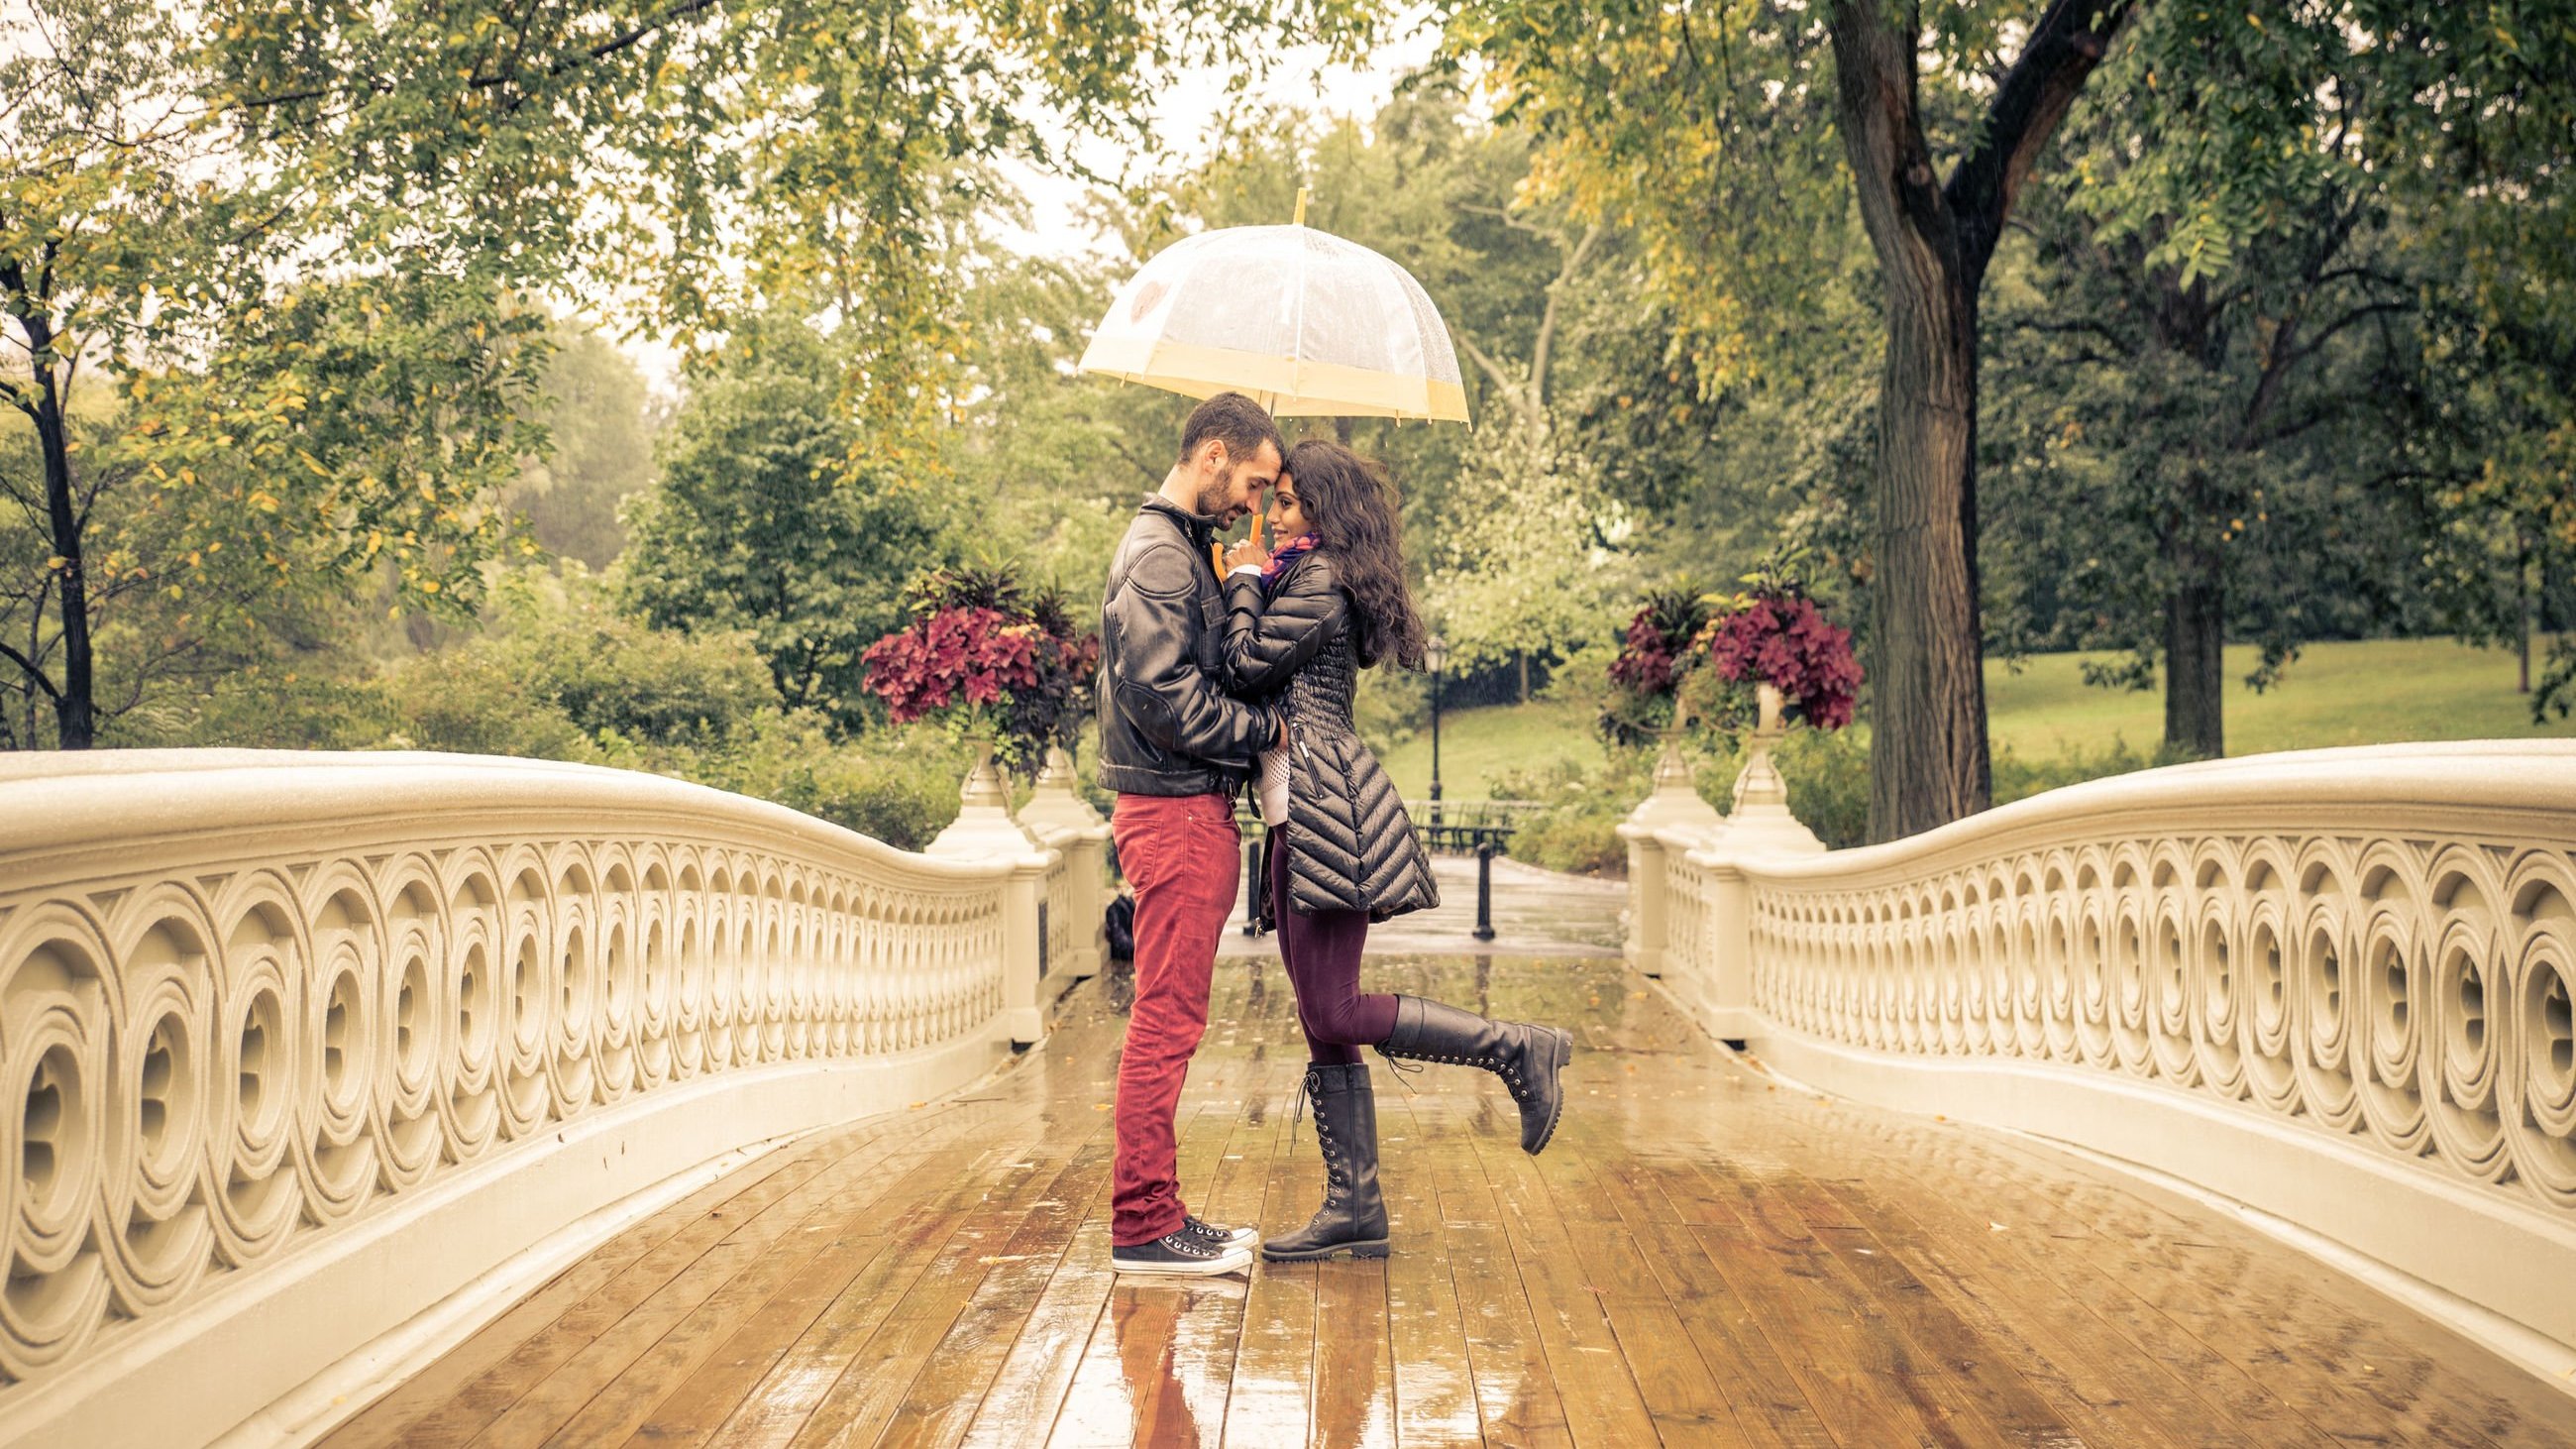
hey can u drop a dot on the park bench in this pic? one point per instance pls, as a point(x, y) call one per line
point(1463, 825)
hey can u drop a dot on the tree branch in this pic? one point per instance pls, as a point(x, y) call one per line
point(1119, 446)
point(2064, 47)
point(2357, 314)
point(1545, 346)
point(29, 667)
point(561, 65)
point(1503, 382)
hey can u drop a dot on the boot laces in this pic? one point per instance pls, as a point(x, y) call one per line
point(1404, 1072)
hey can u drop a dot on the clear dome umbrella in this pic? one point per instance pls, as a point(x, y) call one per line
point(1301, 321)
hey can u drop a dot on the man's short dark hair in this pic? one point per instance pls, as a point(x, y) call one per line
point(1234, 420)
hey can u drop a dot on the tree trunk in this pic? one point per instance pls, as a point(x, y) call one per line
point(2530, 619)
point(2195, 632)
point(75, 715)
point(1928, 759)
point(1524, 662)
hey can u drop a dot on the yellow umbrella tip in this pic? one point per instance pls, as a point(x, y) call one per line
point(1300, 218)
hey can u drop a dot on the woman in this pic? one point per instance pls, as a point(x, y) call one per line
point(1301, 623)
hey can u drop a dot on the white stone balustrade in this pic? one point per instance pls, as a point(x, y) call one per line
point(2333, 986)
point(295, 1048)
point(1077, 936)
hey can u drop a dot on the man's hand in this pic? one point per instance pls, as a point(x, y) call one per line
point(1250, 551)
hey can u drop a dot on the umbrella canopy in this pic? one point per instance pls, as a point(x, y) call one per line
point(1303, 322)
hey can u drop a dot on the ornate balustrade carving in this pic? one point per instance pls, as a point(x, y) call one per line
point(249, 1000)
point(2364, 954)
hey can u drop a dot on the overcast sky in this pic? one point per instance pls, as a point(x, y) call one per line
point(1182, 118)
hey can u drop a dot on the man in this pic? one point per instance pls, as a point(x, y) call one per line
point(1176, 747)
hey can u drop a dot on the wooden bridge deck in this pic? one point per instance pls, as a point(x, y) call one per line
point(1702, 1257)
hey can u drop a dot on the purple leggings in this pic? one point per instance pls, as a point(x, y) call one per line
point(1322, 952)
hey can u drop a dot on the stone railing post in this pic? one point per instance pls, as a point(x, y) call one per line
point(984, 830)
point(1759, 828)
point(1672, 806)
point(1059, 816)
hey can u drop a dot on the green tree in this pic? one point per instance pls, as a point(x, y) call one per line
point(2254, 301)
point(761, 523)
point(599, 419)
point(2180, 458)
point(1740, 143)
point(1049, 467)
point(196, 200)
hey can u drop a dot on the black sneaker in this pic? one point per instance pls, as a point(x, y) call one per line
point(1222, 1237)
point(1181, 1253)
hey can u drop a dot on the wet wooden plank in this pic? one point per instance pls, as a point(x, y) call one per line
point(1762, 1397)
point(1982, 1385)
point(390, 1419)
point(953, 1380)
point(1699, 1258)
point(1604, 1403)
point(1831, 1345)
point(708, 1395)
point(1270, 1393)
point(875, 1377)
point(1689, 1398)
point(2110, 1390)
point(784, 1240)
point(1435, 1383)
point(1517, 1395)
point(1354, 1377)
point(798, 1382)
point(475, 1405)
point(2208, 1276)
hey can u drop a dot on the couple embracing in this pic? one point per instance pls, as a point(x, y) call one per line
point(1215, 678)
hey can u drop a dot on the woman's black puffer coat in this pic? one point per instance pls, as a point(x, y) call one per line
point(1351, 847)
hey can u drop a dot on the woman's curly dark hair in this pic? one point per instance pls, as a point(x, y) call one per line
point(1352, 509)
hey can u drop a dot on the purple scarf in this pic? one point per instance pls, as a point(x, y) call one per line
point(1289, 552)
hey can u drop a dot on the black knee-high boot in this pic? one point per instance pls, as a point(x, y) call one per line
point(1353, 1217)
point(1526, 1057)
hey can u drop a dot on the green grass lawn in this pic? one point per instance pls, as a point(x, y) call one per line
point(1477, 744)
point(2372, 692)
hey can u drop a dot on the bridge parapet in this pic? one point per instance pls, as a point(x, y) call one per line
point(2333, 986)
point(295, 1047)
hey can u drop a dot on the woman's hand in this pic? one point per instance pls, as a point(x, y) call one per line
point(1250, 551)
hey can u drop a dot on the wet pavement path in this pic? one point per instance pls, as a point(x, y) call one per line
point(1703, 1256)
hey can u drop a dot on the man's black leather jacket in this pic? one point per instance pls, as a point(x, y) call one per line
point(1167, 725)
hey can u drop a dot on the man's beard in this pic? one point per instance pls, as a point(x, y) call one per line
point(1212, 498)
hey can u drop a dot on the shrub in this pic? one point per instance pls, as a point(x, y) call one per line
point(896, 785)
point(1827, 773)
point(2019, 779)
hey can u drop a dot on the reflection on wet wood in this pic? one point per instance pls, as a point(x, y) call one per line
point(1702, 1257)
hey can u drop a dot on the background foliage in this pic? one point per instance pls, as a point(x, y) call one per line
point(321, 425)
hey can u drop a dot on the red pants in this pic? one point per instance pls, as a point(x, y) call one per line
point(1181, 854)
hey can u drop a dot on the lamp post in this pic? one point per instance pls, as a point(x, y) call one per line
point(1435, 654)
